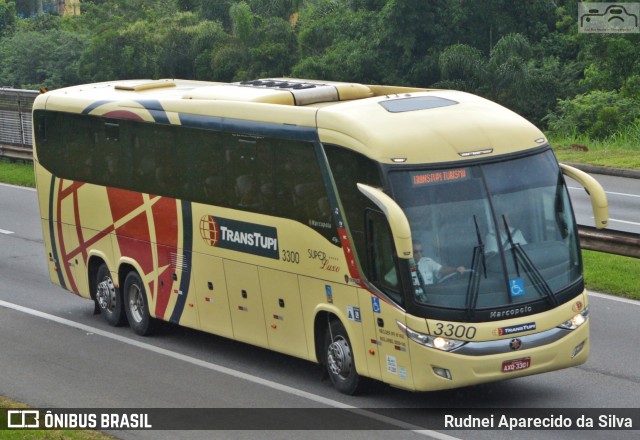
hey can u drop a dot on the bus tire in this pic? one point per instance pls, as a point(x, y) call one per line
point(136, 305)
point(109, 298)
point(339, 359)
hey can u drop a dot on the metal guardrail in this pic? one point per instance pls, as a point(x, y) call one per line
point(15, 123)
point(626, 244)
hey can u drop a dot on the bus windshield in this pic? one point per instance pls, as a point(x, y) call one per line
point(492, 235)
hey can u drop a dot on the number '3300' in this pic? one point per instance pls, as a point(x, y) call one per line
point(291, 256)
point(452, 330)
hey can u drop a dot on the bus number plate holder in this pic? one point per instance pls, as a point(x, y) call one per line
point(516, 365)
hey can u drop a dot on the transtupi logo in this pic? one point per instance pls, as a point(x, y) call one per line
point(209, 230)
point(529, 326)
point(240, 236)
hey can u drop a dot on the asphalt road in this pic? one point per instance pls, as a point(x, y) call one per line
point(55, 353)
point(624, 202)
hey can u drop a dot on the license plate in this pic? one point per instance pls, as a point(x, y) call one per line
point(516, 365)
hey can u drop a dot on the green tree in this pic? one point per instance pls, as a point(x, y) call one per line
point(33, 59)
point(243, 23)
point(337, 42)
point(216, 10)
point(7, 16)
point(276, 51)
point(503, 76)
point(597, 114)
point(275, 8)
point(461, 67)
point(185, 44)
point(229, 63)
point(610, 60)
point(130, 52)
point(28, 8)
point(483, 23)
point(510, 75)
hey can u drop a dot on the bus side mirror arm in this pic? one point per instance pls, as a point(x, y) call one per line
point(398, 222)
point(599, 202)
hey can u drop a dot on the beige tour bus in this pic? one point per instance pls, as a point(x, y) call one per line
point(423, 238)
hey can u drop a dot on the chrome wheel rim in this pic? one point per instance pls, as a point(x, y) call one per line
point(106, 294)
point(136, 302)
point(339, 358)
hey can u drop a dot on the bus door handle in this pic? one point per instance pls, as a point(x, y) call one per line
point(380, 322)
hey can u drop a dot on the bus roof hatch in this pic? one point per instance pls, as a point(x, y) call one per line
point(282, 91)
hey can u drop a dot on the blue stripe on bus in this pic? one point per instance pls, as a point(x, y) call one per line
point(252, 128)
point(52, 233)
point(154, 107)
point(94, 106)
point(187, 245)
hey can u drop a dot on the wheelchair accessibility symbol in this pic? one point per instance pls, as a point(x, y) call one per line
point(517, 287)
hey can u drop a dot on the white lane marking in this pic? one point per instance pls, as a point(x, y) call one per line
point(610, 192)
point(230, 372)
point(622, 194)
point(614, 298)
point(624, 221)
point(18, 187)
point(4, 231)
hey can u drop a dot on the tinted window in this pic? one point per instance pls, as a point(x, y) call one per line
point(349, 169)
point(260, 174)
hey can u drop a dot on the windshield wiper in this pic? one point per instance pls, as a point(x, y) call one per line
point(474, 281)
point(528, 266)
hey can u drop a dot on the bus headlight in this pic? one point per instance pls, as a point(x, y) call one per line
point(576, 321)
point(437, 342)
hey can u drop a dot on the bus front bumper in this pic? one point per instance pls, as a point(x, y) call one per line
point(474, 364)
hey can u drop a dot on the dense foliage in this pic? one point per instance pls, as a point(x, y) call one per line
point(527, 55)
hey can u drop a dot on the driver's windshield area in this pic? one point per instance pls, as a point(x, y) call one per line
point(491, 235)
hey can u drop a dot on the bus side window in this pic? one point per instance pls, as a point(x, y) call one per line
point(349, 169)
point(202, 166)
point(381, 267)
point(301, 189)
point(107, 155)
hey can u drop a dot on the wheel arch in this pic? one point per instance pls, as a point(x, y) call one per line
point(94, 263)
point(123, 271)
point(321, 323)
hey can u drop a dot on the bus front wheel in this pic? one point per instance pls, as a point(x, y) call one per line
point(109, 298)
point(137, 306)
point(339, 360)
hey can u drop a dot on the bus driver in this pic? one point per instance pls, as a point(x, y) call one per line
point(428, 269)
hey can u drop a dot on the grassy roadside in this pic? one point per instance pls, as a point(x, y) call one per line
point(44, 434)
point(611, 274)
point(18, 173)
point(621, 150)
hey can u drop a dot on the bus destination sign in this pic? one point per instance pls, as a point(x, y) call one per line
point(423, 178)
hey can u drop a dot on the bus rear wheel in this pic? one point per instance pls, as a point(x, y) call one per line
point(339, 359)
point(137, 306)
point(108, 297)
